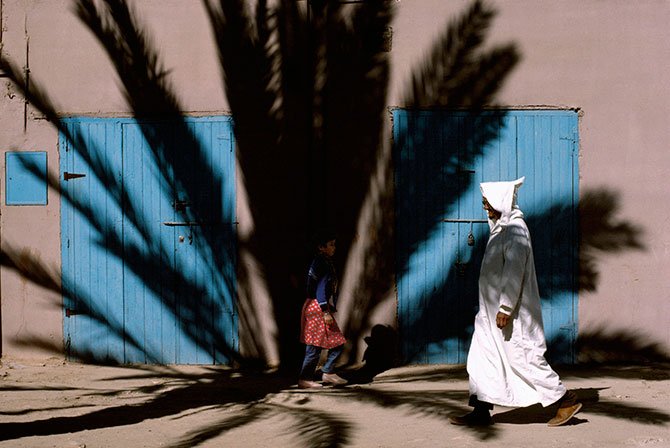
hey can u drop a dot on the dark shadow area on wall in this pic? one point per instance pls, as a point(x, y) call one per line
point(307, 89)
point(458, 73)
point(603, 345)
point(296, 83)
point(602, 232)
point(430, 181)
point(301, 79)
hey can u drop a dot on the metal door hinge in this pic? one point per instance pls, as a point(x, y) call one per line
point(182, 223)
point(196, 223)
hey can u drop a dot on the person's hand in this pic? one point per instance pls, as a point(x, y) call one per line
point(502, 320)
point(328, 319)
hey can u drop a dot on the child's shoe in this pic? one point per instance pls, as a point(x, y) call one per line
point(334, 379)
point(306, 384)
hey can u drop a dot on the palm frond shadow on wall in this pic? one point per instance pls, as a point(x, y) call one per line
point(308, 92)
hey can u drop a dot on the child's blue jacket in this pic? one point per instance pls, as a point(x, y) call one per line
point(322, 283)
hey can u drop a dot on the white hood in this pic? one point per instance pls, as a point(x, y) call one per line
point(502, 197)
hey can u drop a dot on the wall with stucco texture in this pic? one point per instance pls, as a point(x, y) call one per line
point(31, 315)
point(609, 59)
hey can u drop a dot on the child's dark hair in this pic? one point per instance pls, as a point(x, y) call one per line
point(322, 236)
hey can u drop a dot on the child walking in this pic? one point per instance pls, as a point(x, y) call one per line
point(318, 327)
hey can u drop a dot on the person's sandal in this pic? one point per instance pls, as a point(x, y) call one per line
point(563, 415)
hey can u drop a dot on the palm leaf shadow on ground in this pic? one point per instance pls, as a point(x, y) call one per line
point(312, 427)
point(248, 399)
point(184, 392)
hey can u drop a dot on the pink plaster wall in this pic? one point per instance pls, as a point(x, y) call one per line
point(610, 59)
point(31, 315)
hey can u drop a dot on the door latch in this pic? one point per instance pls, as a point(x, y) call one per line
point(68, 176)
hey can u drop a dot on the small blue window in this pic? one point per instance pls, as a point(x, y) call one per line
point(26, 178)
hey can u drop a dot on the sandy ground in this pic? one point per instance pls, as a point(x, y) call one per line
point(58, 404)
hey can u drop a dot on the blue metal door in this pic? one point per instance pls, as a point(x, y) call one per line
point(440, 159)
point(148, 240)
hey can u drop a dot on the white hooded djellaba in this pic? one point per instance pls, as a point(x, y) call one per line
point(507, 367)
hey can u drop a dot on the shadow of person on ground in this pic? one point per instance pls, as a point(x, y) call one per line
point(593, 404)
point(535, 414)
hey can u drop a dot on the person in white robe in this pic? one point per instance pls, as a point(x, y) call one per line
point(506, 363)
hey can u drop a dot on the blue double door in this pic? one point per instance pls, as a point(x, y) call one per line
point(148, 240)
point(440, 159)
